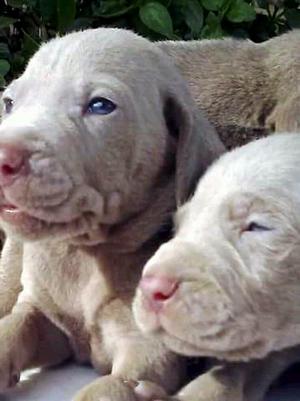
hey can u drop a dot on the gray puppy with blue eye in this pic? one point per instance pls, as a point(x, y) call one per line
point(99, 141)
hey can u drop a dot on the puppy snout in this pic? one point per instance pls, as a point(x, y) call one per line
point(158, 289)
point(13, 162)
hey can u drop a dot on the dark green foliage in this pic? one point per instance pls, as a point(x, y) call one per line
point(24, 24)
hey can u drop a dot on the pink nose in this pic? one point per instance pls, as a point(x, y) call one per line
point(158, 288)
point(12, 163)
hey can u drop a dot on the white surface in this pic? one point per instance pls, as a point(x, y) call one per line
point(62, 384)
point(51, 385)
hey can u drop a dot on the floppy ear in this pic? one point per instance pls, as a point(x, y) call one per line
point(198, 144)
point(285, 116)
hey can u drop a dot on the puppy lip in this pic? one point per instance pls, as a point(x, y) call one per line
point(248, 350)
point(36, 212)
point(14, 215)
point(9, 208)
point(27, 224)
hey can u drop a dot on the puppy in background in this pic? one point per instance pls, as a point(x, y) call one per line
point(247, 90)
point(227, 285)
point(91, 169)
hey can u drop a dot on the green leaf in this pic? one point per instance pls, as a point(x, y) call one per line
point(262, 3)
point(166, 3)
point(2, 82)
point(17, 63)
point(30, 45)
point(177, 10)
point(113, 8)
point(31, 3)
point(143, 30)
point(6, 22)
point(48, 9)
point(16, 3)
point(212, 5)
point(240, 11)
point(4, 51)
point(4, 67)
point(213, 28)
point(120, 12)
point(156, 17)
point(194, 16)
point(293, 17)
point(66, 11)
point(225, 8)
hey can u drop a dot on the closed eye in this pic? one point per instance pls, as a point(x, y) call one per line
point(256, 227)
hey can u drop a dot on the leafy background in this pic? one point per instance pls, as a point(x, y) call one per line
point(24, 24)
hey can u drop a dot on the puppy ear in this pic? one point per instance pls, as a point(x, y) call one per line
point(285, 116)
point(198, 144)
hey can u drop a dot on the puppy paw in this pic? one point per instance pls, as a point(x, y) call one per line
point(108, 388)
point(149, 391)
point(9, 375)
point(215, 385)
point(10, 369)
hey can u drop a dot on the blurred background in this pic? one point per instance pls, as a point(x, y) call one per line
point(25, 24)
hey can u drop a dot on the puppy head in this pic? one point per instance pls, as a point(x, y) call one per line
point(228, 284)
point(88, 131)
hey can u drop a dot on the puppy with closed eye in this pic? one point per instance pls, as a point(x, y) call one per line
point(227, 285)
point(99, 140)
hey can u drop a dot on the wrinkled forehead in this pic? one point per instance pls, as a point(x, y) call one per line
point(84, 56)
point(267, 179)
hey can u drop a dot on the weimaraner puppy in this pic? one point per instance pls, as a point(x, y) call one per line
point(99, 140)
point(228, 284)
point(247, 90)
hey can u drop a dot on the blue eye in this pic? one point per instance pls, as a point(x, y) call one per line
point(100, 106)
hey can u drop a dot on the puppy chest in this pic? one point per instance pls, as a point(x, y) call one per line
point(67, 287)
